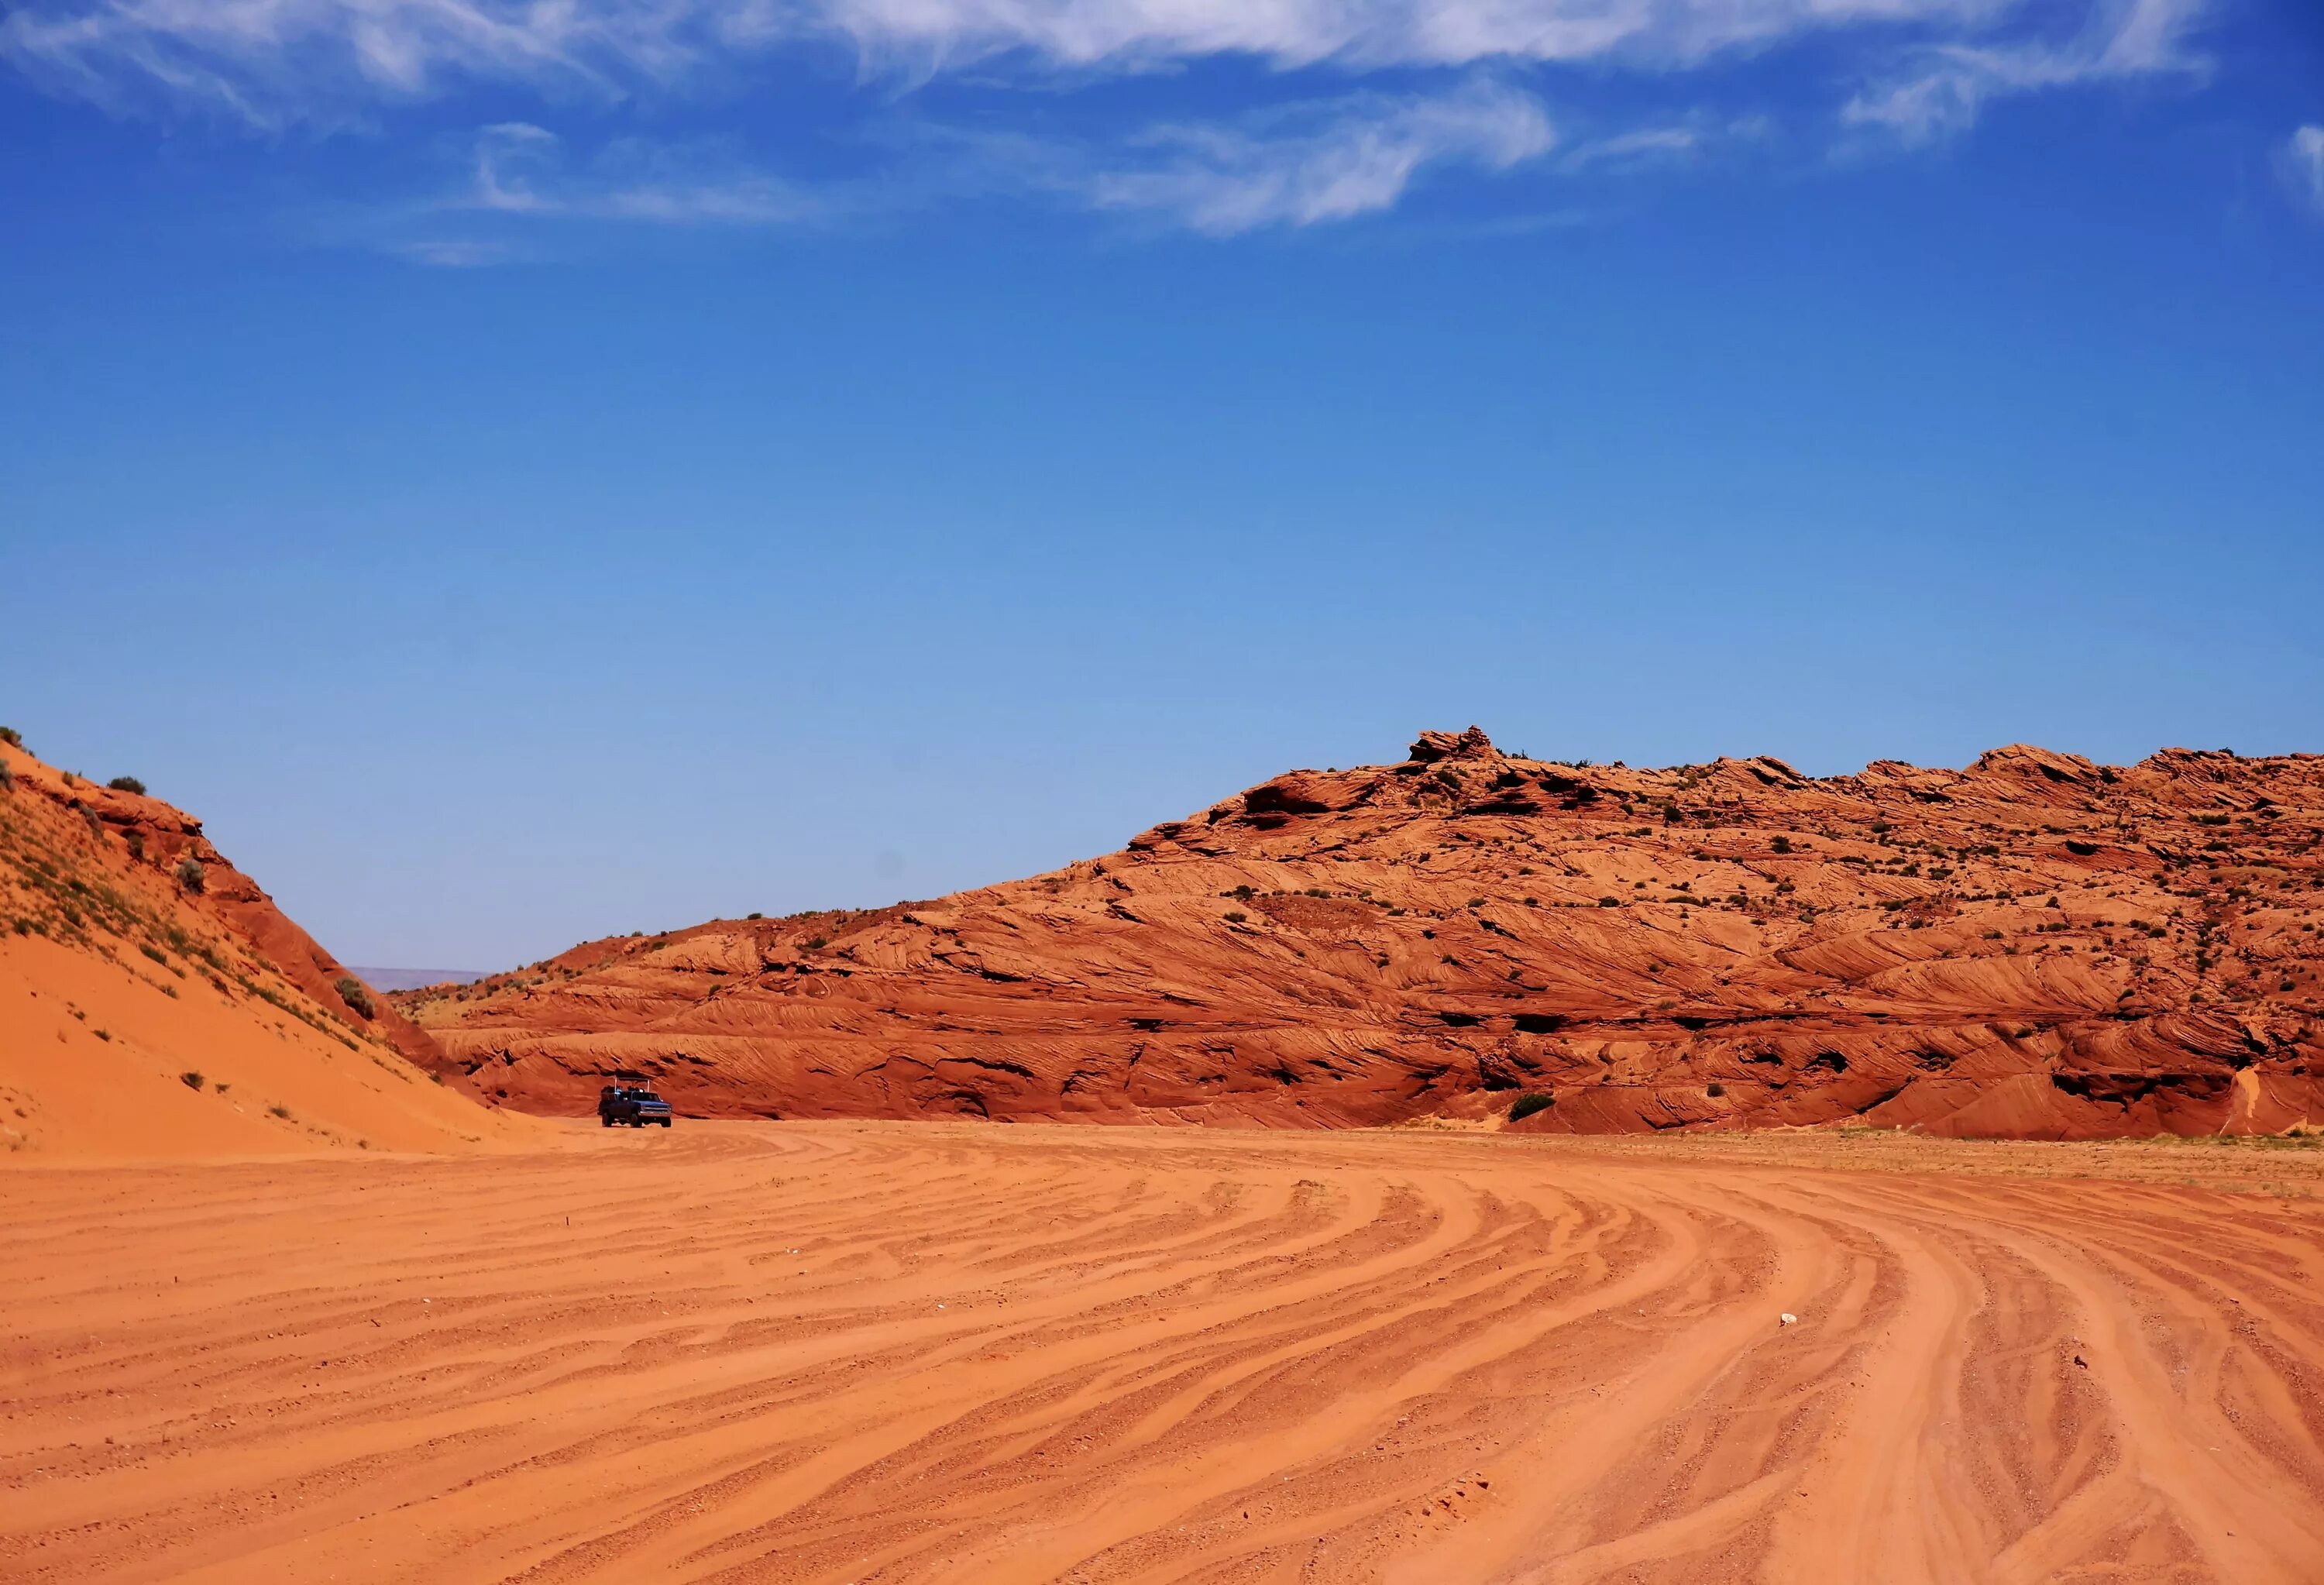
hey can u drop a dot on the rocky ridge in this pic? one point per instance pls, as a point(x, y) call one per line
point(2034, 946)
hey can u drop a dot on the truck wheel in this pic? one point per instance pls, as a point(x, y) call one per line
point(665, 1122)
point(604, 1120)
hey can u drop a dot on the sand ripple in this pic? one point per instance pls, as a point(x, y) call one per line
point(869, 1352)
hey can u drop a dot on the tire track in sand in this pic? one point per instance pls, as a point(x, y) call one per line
point(867, 1352)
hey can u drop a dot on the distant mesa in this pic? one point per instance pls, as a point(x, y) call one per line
point(2036, 946)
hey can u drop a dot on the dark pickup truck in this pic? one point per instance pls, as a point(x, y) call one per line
point(633, 1104)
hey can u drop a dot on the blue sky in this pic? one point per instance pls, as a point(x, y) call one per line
point(527, 473)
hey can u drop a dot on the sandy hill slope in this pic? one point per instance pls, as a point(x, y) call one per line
point(2036, 946)
point(153, 1001)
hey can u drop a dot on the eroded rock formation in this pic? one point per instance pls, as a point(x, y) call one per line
point(2036, 946)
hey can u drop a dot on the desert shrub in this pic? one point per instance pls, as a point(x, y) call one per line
point(7, 776)
point(190, 1079)
point(814, 944)
point(128, 784)
point(357, 995)
point(12, 737)
point(1714, 1090)
point(754, 916)
point(1782, 844)
point(282, 1111)
point(189, 873)
point(1526, 1104)
point(1610, 902)
point(1236, 916)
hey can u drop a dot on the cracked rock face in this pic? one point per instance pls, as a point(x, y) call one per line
point(2036, 946)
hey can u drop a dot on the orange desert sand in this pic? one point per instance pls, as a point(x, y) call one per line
point(869, 1351)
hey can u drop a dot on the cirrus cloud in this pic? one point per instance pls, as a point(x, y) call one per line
point(2303, 165)
point(1319, 164)
point(274, 62)
point(1944, 86)
point(1418, 87)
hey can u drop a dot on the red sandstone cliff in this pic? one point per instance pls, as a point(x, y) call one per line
point(2036, 946)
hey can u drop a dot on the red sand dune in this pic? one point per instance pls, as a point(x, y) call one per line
point(134, 960)
point(2036, 946)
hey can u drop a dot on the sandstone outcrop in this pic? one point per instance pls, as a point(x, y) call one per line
point(2036, 946)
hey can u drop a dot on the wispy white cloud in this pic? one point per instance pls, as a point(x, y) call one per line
point(1683, 139)
point(1314, 163)
point(1298, 165)
point(452, 253)
point(1646, 144)
point(1931, 66)
point(2303, 165)
point(1362, 32)
point(277, 62)
point(1943, 90)
point(520, 169)
point(272, 63)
